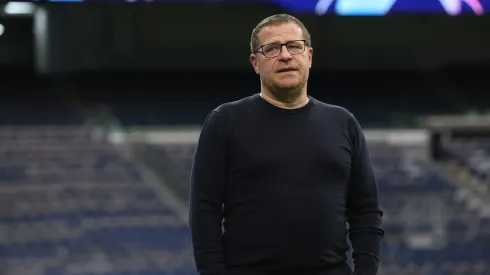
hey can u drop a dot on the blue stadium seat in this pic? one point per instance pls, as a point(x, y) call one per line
point(474, 155)
point(97, 198)
point(12, 174)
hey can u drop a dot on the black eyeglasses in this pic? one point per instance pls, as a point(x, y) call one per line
point(274, 49)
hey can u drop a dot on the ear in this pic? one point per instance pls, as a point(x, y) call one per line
point(254, 61)
point(310, 55)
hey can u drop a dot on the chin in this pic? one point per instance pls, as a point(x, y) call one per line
point(288, 85)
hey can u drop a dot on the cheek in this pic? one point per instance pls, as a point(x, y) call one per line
point(306, 62)
point(305, 68)
point(265, 69)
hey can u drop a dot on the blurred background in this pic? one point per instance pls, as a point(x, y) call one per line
point(102, 105)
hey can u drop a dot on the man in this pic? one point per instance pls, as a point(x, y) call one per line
point(285, 172)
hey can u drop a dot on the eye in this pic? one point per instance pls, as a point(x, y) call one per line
point(271, 48)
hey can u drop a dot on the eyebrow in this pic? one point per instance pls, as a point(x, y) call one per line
point(279, 42)
point(274, 42)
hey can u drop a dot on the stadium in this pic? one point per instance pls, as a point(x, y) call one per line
point(102, 105)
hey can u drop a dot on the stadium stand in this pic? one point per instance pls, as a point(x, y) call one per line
point(472, 154)
point(72, 204)
point(429, 229)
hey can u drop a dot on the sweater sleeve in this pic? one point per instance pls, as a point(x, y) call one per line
point(364, 214)
point(208, 178)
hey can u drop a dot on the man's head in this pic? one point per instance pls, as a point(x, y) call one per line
point(281, 54)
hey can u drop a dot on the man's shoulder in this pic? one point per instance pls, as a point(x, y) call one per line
point(245, 102)
point(332, 109)
point(338, 116)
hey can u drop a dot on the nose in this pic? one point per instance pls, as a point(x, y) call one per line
point(285, 55)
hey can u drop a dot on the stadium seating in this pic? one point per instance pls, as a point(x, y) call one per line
point(473, 154)
point(70, 204)
point(429, 229)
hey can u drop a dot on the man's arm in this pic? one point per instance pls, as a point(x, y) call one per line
point(208, 178)
point(363, 210)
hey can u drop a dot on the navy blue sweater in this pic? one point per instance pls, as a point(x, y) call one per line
point(272, 190)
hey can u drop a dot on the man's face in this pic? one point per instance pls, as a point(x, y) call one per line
point(271, 69)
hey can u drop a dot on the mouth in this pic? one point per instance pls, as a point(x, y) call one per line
point(283, 70)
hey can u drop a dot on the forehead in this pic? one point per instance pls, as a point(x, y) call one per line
point(280, 33)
